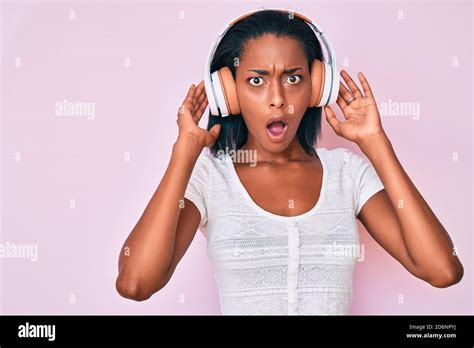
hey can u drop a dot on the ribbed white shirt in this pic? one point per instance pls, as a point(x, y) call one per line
point(276, 265)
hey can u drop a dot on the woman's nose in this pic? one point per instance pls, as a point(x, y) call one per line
point(278, 105)
point(277, 99)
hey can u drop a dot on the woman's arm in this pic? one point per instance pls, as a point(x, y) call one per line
point(148, 250)
point(165, 230)
point(404, 224)
point(397, 217)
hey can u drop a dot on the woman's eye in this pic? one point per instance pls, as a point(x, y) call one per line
point(253, 79)
point(294, 79)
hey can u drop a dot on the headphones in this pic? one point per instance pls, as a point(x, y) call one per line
point(220, 85)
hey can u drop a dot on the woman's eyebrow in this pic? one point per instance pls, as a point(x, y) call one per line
point(265, 72)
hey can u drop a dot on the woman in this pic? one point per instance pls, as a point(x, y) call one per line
point(282, 232)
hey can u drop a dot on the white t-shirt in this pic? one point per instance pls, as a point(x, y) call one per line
point(275, 265)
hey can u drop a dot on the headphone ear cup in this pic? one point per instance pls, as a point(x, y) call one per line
point(211, 98)
point(335, 89)
point(229, 91)
point(318, 75)
point(327, 86)
point(220, 100)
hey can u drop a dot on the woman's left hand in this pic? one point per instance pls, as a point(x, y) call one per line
point(361, 113)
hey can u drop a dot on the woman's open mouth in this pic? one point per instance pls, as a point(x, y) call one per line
point(276, 131)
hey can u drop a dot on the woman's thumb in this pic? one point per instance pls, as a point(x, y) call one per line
point(332, 119)
point(214, 134)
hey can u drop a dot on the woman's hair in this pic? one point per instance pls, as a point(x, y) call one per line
point(233, 133)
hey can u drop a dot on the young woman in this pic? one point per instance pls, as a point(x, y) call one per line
point(282, 232)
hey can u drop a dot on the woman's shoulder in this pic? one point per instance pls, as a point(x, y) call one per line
point(207, 162)
point(338, 152)
point(342, 158)
point(335, 153)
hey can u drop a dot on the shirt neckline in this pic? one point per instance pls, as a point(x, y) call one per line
point(271, 215)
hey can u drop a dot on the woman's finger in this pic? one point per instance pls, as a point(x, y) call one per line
point(332, 120)
point(353, 87)
point(190, 95)
point(345, 93)
point(195, 104)
point(195, 100)
point(201, 99)
point(201, 109)
point(187, 105)
point(200, 86)
point(341, 102)
point(365, 86)
point(343, 105)
point(199, 89)
point(198, 94)
point(183, 109)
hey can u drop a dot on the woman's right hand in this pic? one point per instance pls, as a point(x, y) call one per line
point(189, 114)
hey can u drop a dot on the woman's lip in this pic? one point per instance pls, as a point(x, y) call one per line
point(279, 137)
point(276, 119)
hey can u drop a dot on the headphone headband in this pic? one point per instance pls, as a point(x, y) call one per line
point(331, 60)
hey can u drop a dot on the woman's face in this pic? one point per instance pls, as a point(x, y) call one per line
point(273, 84)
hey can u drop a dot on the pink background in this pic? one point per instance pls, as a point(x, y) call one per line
point(417, 52)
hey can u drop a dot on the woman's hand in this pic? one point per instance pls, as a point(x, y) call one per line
point(361, 114)
point(189, 114)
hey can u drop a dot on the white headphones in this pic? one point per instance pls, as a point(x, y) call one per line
point(220, 85)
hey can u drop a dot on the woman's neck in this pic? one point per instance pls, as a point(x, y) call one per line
point(294, 152)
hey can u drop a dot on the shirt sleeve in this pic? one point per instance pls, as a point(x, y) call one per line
point(197, 189)
point(366, 180)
